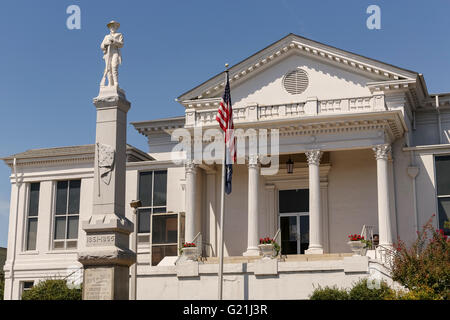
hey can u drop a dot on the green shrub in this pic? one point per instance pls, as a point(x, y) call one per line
point(361, 291)
point(423, 293)
point(2, 285)
point(425, 264)
point(52, 289)
point(329, 293)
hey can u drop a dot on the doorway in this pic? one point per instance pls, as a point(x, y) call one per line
point(294, 220)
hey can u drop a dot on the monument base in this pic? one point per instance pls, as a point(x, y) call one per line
point(106, 283)
point(106, 258)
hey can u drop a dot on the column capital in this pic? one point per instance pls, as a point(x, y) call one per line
point(313, 156)
point(382, 151)
point(253, 161)
point(190, 166)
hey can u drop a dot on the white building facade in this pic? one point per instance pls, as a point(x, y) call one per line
point(370, 149)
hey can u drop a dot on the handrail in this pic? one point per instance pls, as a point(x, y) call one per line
point(367, 233)
point(275, 237)
point(386, 255)
point(195, 238)
point(198, 240)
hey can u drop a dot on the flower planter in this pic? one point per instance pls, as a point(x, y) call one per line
point(356, 247)
point(266, 250)
point(191, 253)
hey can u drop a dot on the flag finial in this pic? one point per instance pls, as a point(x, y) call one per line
point(226, 65)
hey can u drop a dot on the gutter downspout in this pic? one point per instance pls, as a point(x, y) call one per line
point(413, 171)
point(18, 185)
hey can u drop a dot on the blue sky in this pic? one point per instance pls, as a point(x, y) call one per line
point(49, 74)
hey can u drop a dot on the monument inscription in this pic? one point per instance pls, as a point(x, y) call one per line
point(100, 240)
point(98, 283)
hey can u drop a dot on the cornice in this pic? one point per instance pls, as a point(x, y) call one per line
point(391, 121)
point(51, 162)
point(159, 126)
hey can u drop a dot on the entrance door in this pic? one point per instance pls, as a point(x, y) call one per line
point(294, 220)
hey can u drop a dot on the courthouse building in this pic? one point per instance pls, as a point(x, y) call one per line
point(363, 148)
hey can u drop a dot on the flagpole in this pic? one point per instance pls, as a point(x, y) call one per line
point(222, 211)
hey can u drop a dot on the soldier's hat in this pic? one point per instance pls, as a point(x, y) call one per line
point(113, 23)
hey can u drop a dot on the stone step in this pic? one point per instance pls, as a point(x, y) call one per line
point(287, 258)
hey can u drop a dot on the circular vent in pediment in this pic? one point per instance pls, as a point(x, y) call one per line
point(296, 82)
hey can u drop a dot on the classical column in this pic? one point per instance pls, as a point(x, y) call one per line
point(212, 224)
point(315, 214)
point(384, 218)
point(191, 181)
point(253, 203)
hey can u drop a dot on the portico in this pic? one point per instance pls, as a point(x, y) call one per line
point(311, 139)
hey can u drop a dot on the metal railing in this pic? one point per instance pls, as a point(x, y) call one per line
point(385, 255)
point(198, 244)
point(367, 233)
point(277, 239)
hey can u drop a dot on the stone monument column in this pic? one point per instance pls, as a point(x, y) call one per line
point(107, 257)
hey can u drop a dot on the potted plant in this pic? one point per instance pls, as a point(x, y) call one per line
point(268, 247)
point(190, 251)
point(356, 243)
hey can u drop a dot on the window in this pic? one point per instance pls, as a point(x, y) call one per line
point(32, 217)
point(165, 239)
point(67, 211)
point(152, 193)
point(25, 286)
point(443, 190)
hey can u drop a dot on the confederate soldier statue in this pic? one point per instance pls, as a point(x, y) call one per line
point(111, 45)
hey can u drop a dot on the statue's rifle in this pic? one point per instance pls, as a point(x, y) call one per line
point(108, 64)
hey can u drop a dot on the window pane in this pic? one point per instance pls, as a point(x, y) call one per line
point(145, 188)
point(443, 175)
point(34, 199)
point(159, 252)
point(294, 200)
point(159, 194)
point(32, 232)
point(144, 220)
point(72, 229)
point(60, 228)
point(160, 210)
point(288, 226)
point(164, 229)
point(304, 233)
point(27, 285)
point(74, 196)
point(61, 197)
point(444, 213)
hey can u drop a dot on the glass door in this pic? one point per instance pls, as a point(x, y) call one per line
point(294, 220)
point(289, 235)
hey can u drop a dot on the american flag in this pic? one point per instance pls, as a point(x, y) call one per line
point(225, 119)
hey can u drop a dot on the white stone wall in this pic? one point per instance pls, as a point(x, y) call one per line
point(43, 262)
point(266, 88)
point(289, 280)
point(352, 195)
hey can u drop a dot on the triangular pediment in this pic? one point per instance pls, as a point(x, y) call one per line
point(331, 73)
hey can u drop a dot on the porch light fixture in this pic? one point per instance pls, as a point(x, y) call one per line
point(290, 166)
